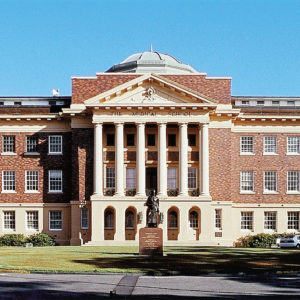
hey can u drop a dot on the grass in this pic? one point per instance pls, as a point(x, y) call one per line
point(176, 260)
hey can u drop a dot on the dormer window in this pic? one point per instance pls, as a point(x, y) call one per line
point(291, 103)
point(245, 102)
point(275, 103)
point(18, 103)
point(260, 103)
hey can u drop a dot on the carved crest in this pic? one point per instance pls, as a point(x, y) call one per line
point(149, 94)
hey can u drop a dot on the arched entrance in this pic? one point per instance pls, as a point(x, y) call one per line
point(194, 224)
point(173, 223)
point(130, 223)
point(109, 223)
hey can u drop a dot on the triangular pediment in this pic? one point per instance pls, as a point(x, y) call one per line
point(150, 90)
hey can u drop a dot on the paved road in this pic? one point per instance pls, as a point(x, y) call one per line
point(78, 286)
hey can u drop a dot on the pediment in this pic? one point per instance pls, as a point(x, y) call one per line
point(149, 90)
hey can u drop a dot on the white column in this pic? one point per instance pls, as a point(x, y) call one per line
point(140, 161)
point(119, 159)
point(183, 159)
point(98, 161)
point(205, 160)
point(200, 159)
point(162, 159)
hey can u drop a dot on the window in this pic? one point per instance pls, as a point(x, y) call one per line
point(172, 140)
point(270, 220)
point(8, 181)
point(260, 103)
point(108, 219)
point(55, 144)
point(275, 103)
point(9, 220)
point(55, 181)
point(130, 179)
point(55, 220)
point(8, 144)
point(293, 181)
point(84, 218)
point(192, 178)
point(270, 181)
point(246, 220)
point(246, 181)
point(151, 139)
point(293, 145)
point(32, 144)
point(110, 178)
point(218, 218)
point(32, 220)
point(110, 140)
point(245, 102)
point(129, 219)
point(130, 139)
point(246, 145)
point(32, 181)
point(172, 178)
point(293, 220)
point(173, 219)
point(194, 223)
point(290, 103)
point(192, 139)
point(270, 144)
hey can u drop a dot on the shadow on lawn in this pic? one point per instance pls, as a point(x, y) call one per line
point(203, 262)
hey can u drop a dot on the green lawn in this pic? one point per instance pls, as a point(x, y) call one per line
point(176, 260)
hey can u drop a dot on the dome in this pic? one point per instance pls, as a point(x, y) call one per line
point(151, 62)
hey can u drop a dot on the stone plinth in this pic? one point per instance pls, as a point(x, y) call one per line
point(151, 241)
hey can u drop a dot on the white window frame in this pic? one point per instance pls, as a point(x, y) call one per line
point(34, 220)
point(268, 176)
point(293, 221)
point(12, 143)
point(112, 170)
point(13, 220)
point(246, 191)
point(34, 181)
point(55, 143)
point(27, 144)
point(244, 143)
point(290, 145)
point(270, 220)
point(218, 219)
point(192, 179)
point(56, 220)
point(270, 145)
point(297, 182)
point(59, 177)
point(130, 180)
point(172, 182)
point(194, 223)
point(86, 218)
point(247, 218)
point(6, 182)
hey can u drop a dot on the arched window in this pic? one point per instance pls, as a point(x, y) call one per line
point(173, 219)
point(129, 219)
point(109, 219)
point(194, 219)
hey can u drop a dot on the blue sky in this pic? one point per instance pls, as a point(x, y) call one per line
point(45, 42)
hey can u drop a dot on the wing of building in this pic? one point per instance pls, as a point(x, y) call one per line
point(80, 167)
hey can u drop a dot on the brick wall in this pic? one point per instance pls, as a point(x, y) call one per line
point(259, 163)
point(82, 163)
point(43, 162)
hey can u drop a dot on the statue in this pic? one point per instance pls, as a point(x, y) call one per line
point(153, 209)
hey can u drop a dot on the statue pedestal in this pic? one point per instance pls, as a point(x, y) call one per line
point(151, 241)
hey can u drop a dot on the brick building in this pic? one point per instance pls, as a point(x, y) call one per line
point(80, 167)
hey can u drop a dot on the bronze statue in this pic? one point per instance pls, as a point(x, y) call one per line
point(153, 209)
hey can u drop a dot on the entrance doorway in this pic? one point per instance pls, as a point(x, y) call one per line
point(151, 180)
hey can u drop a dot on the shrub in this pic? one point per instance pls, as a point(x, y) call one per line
point(12, 240)
point(261, 240)
point(41, 240)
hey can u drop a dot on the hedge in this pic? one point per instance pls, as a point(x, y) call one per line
point(261, 240)
point(19, 240)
